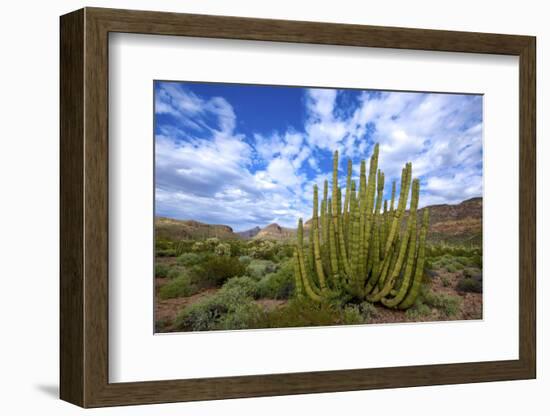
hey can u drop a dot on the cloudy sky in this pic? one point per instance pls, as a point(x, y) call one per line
point(246, 155)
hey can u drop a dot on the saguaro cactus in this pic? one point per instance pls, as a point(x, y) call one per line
point(358, 246)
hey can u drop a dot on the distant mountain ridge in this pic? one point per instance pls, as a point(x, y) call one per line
point(249, 233)
point(275, 232)
point(453, 223)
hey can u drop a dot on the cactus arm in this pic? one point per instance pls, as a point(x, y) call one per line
point(369, 203)
point(298, 289)
point(316, 242)
point(419, 271)
point(394, 271)
point(310, 290)
point(347, 198)
point(362, 212)
point(333, 253)
point(402, 291)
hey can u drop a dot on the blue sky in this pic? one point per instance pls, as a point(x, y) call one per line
point(247, 155)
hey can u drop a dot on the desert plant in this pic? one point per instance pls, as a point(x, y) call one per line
point(469, 284)
point(278, 285)
point(448, 304)
point(189, 259)
point(259, 268)
point(358, 248)
point(223, 249)
point(181, 286)
point(161, 270)
point(246, 284)
point(211, 312)
point(215, 270)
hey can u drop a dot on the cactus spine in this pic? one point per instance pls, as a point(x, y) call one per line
point(356, 245)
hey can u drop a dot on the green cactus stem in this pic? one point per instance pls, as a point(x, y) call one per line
point(316, 242)
point(410, 299)
point(401, 293)
point(394, 272)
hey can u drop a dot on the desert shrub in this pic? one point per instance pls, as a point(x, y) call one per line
point(238, 247)
point(246, 284)
point(169, 252)
point(445, 282)
point(352, 315)
point(473, 273)
point(199, 246)
point(284, 251)
point(278, 285)
point(179, 287)
point(223, 249)
point(259, 268)
point(448, 304)
point(211, 242)
point(419, 310)
point(175, 272)
point(210, 313)
point(262, 249)
point(469, 285)
point(215, 270)
point(161, 270)
point(189, 259)
point(245, 260)
point(243, 316)
point(451, 268)
point(300, 313)
point(161, 244)
point(463, 260)
point(368, 311)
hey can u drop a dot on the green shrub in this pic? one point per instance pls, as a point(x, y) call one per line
point(368, 311)
point(189, 259)
point(445, 282)
point(301, 313)
point(223, 249)
point(448, 304)
point(245, 284)
point(473, 273)
point(174, 273)
point(244, 316)
point(262, 249)
point(169, 252)
point(210, 313)
point(470, 285)
point(419, 310)
point(161, 270)
point(259, 268)
point(352, 315)
point(245, 260)
point(179, 287)
point(278, 285)
point(215, 270)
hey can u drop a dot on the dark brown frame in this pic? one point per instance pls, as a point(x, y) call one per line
point(84, 209)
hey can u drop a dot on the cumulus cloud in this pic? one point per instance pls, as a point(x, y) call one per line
point(210, 170)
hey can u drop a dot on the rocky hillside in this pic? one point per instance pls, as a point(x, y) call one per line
point(275, 232)
point(168, 228)
point(249, 233)
point(460, 223)
point(454, 224)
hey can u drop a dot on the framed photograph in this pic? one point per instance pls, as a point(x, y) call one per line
point(254, 207)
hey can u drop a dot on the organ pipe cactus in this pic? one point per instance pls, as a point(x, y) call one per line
point(358, 246)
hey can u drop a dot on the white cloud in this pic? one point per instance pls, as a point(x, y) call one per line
point(207, 171)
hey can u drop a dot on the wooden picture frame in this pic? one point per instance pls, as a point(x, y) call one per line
point(84, 207)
